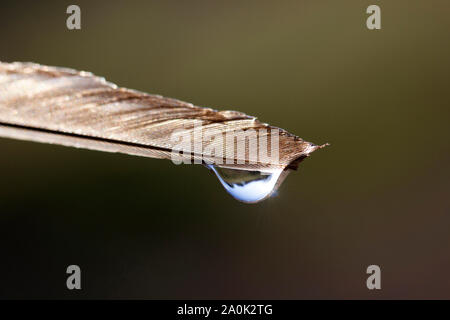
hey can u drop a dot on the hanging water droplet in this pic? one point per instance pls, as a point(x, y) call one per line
point(249, 186)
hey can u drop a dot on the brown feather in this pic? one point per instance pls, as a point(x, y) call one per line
point(73, 108)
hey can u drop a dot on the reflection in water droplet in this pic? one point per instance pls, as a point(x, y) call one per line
point(248, 186)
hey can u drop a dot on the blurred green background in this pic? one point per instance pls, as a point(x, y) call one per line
point(145, 228)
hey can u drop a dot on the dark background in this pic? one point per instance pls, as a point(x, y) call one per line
point(145, 228)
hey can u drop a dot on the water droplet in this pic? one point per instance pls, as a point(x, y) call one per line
point(249, 186)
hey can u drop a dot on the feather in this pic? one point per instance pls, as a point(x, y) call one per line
point(75, 108)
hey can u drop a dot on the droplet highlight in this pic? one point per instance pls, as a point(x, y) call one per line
point(248, 186)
